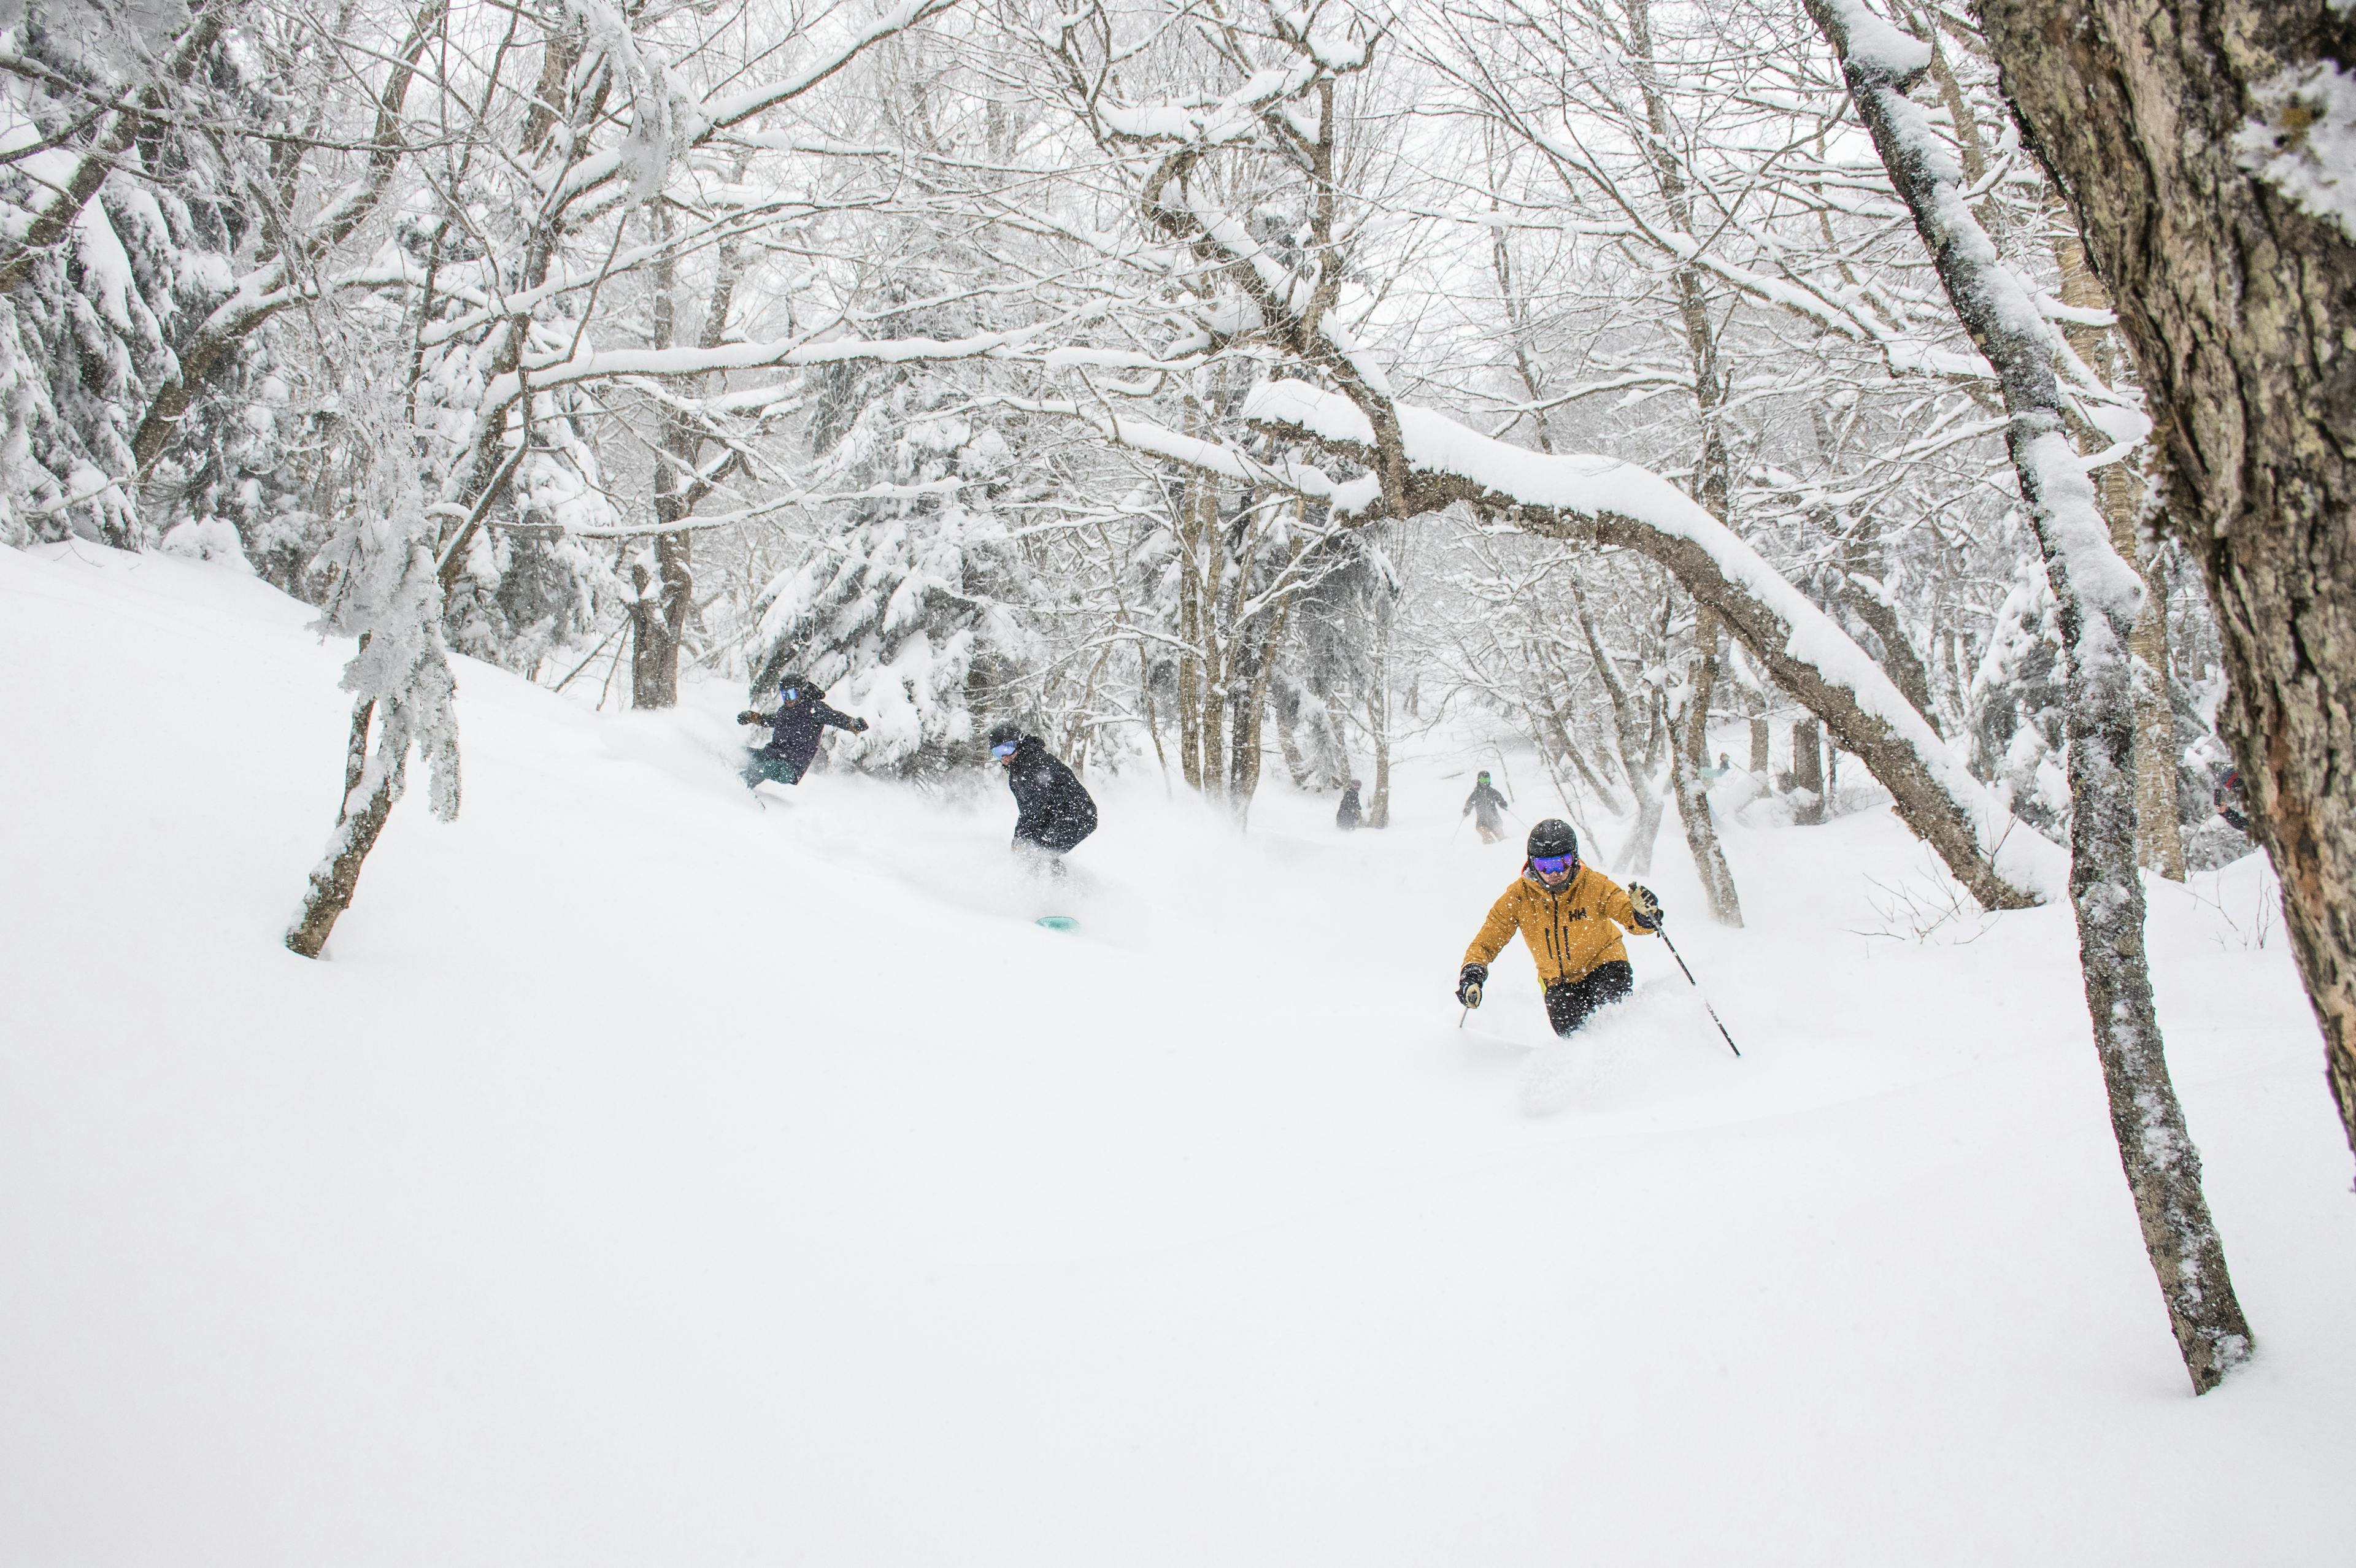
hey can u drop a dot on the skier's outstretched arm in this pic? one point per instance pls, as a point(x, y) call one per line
point(839, 719)
point(1495, 931)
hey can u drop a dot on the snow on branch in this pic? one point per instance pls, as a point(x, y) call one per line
point(589, 363)
point(1607, 501)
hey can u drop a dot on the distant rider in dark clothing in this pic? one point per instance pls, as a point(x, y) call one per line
point(2233, 804)
point(793, 732)
point(1348, 815)
point(1485, 800)
point(1054, 811)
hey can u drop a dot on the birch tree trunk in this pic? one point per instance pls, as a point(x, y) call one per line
point(2098, 597)
point(664, 596)
point(1685, 778)
point(2179, 133)
point(1636, 856)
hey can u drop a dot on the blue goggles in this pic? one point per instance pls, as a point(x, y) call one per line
point(790, 693)
point(1553, 865)
point(1003, 750)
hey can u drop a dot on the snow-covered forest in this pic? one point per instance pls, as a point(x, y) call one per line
point(1777, 415)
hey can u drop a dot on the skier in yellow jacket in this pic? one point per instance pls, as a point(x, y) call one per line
point(1570, 915)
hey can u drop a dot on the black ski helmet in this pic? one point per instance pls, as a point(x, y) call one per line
point(1553, 836)
point(1005, 734)
point(800, 688)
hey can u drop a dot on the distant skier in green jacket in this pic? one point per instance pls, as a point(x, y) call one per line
point(1488, 805)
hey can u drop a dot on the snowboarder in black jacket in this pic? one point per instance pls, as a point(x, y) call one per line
point(1053, 810)
point(1350, 813)
point(794, 731)
point(1485, 800)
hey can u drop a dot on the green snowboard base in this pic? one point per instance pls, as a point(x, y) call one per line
point(1058, 922)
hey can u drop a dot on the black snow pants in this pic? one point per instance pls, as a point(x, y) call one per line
point(1570, 1003)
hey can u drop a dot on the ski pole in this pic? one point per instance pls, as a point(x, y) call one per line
point(1463, 1016)
point(1662, 931)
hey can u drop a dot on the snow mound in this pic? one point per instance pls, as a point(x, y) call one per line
point(1649, 1051)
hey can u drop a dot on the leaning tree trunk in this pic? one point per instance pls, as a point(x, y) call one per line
point(2097, 599)
point(368, 802)
point(2178, 130)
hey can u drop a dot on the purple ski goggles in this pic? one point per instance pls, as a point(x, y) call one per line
point(1553, 865)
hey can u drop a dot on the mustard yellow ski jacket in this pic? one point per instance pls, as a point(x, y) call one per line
point(1570, 931)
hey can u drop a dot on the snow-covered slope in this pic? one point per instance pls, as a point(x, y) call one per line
point(650, 1177)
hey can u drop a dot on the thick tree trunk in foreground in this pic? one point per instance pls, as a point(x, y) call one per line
point(2098, 597)
point(2237, 301)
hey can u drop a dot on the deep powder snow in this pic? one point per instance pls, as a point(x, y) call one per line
point(649, 1177)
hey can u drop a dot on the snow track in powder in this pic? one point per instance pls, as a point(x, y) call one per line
point(647, 1178)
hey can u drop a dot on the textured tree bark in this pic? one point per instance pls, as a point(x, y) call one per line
point(335, 879)
point(2097, 599)
point(1218, 648)
point(1685, 761)
point(2159, 837)
point(2239, 304)
point(666, 598)
point(1808, 767)
point(659, 614)
point(1190, 633)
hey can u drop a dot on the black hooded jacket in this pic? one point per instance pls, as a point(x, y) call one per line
point(1054, 808)
point(1485, 800)
point(794, 730)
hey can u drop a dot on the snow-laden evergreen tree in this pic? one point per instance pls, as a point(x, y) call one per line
point(120, 227)
point(904, 611)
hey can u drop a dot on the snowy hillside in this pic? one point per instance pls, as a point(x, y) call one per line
point(647, 1178)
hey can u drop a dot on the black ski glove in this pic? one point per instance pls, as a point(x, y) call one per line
point(858, 726)
point(749, 717)
point(1648, 907)
point(1469, 983)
